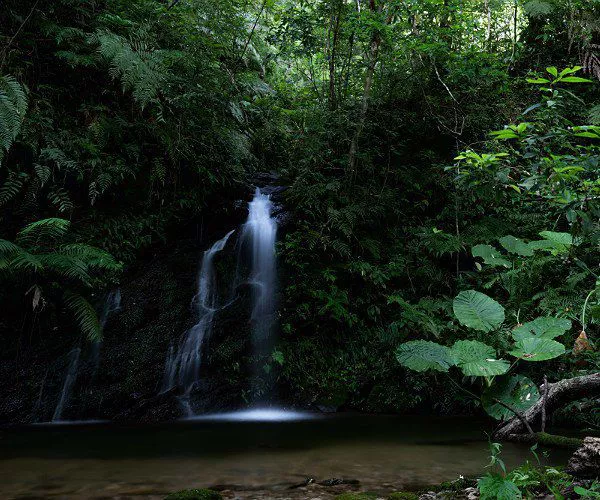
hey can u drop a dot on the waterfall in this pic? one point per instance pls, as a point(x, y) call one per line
point(257, 242)
point(182, 368)
point(260, 231)
point(111, 304)
point(68, 383)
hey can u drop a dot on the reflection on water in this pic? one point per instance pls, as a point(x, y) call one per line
point(247, 459)
point(257, 415)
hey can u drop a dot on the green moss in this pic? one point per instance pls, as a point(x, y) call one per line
point(195, 494)
point(558, 441)
point(453, 486)
point(403, 495)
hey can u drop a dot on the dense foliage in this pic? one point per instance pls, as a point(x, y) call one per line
point(441, 157)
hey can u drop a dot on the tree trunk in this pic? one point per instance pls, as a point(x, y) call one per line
point(373, 53)
point(488, 30)
point(558, 394)
point(336, 15)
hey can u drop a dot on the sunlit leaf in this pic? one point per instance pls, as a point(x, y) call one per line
point(422, 355)
point(478, 311)
point(490, 255)
point(544, 327)
point(537, 349)
point(477, 359)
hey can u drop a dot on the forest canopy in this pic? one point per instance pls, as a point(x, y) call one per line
point(441, 159)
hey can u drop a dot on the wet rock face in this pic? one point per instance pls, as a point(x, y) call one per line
point(585, 462)
point(151, 408)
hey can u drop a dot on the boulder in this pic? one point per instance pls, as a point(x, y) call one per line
point(585, 462)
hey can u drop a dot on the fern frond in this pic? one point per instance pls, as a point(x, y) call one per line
point(66, 267)
point(12, 186)
point(44, 229)
point(84, 314)
point(140, 70)
point(25, 261)
point(594, 115)
point(13, 105)
point(8, 248)
point(61, 200)
point(92, 256)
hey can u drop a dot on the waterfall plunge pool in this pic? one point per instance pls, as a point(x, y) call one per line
point(245, 457)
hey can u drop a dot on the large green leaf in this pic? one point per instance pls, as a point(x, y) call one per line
point(517, 391)
point(537, 349)
point(477, 359)
point(496, 487)
point(516, 246)
point(422, 355)
point(490, 255)
point(556, 243)
point(544, 327)
point(478, 311)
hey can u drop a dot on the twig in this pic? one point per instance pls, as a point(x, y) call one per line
point(17, 32)
point(518, 414)
point(544, 400)
point(262, 7)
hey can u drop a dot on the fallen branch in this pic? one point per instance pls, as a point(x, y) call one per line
point(558, 394)
point(518, 414)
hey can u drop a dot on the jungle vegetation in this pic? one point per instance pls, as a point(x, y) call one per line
point(442, 164)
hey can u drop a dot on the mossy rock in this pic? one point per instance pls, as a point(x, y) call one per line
point(403, 495)
point(195, 494)
point(356, 496)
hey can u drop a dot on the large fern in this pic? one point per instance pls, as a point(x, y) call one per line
point(84, 314)
point(38, 257)
point(141, 70)
point(13, 105)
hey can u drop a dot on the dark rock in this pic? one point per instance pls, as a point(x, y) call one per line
point(335, 481)
point(585, 462)
point(326, 408)
point(152, 408)
point(306, 482)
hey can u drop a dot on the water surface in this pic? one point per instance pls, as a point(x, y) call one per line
point(248, 458)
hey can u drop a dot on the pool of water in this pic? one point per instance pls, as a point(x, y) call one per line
point(246, 457)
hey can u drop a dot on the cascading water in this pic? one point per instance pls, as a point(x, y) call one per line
point(257, 241)
point(182, 368)
point(67, 384)
point(112, 304)
point(260, 232)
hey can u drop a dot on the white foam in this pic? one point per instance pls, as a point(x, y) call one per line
point(73, 422)
point(257, 415)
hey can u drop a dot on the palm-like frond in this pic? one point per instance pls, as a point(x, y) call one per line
point(93, 257)
point(43, 230)
point(84, 314)
point(13, 105)
point(66, 267)
point(12, 186)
